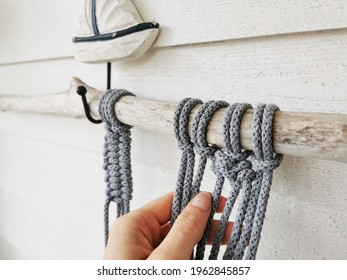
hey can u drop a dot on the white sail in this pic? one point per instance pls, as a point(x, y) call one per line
point(116, 15)
point(112, 16)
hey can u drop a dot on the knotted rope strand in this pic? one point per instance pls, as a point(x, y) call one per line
point(117, 162)
point(257, 153)
point(265, 164)
point(231, 162)
point(244, 179)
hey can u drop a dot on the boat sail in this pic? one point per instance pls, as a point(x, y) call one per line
point(112, 30)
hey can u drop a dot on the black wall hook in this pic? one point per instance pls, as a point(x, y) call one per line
point(81, 90)
point(108, 75)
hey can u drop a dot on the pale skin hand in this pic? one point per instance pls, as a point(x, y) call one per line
point(144, 233)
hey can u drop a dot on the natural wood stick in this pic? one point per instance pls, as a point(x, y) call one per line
point(316, 135)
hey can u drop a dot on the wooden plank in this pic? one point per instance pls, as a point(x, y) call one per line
point(47, 27)
point(315, 135)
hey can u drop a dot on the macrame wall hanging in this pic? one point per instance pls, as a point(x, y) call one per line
point(249, 174)
point(232, 163)
point(117, 162)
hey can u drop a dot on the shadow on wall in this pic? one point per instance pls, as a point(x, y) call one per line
point(9, 252)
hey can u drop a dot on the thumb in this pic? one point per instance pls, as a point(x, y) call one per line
point(186, 231)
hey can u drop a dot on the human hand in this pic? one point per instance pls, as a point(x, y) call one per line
point(145, 233)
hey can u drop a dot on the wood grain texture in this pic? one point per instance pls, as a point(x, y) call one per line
point(47, 32)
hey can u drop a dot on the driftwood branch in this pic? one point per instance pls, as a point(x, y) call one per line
point(316, 135)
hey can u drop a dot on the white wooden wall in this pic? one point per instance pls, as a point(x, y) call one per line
point(292, 53)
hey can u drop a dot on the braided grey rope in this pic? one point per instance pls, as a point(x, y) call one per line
point(117, 164)
point(186, 172)
point(231, 162)
point(201, 147)
point(250, 212)
point(206, 151)
point(185, 188)
point(265, 161)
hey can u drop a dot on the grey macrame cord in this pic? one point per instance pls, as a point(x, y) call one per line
point(227, 164)
point(230, 163)
point(206, 152)
point(200, 144)
point(188, 185)
point(117, 162)
point(265, 162)
point(185, 175)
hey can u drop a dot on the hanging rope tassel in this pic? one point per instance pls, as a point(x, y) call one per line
point(117, 163)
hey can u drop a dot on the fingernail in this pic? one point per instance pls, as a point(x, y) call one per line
point(202, 200)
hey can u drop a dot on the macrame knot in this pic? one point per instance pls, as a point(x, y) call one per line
point(205, 151)
point(229, 165)
point(267, 165)
point(115, 195)
point(125, 194)
point(246, 174)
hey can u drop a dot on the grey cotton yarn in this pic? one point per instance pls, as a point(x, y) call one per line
point(117, 162)
point(248, 173)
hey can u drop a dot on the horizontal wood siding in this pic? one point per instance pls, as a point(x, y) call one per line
point(36, 30)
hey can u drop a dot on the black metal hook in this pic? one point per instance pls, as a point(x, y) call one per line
point(108, 75)
point(81, 90)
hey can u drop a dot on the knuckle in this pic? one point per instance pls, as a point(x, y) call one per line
point(188, 222)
